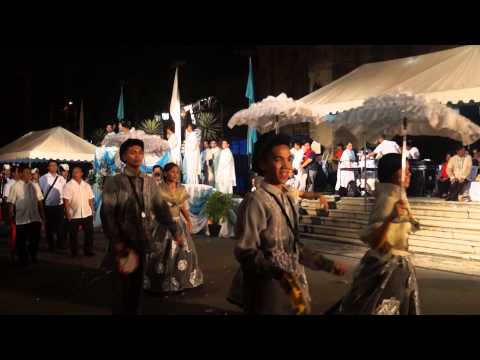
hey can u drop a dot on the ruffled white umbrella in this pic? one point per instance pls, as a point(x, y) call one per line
point(274, 112)
point(154, 144)
point(402, 114)
point(385, 115)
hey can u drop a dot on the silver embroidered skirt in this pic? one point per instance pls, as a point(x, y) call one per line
point(171, 268)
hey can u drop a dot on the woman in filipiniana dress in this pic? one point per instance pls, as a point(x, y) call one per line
point(385, 281)
point(173, 268)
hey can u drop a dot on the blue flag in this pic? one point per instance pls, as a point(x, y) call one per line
point(250, 95)
point(120, 111)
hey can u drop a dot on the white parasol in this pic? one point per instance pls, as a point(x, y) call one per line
point(385, 114)
point(153, 144)
point(402, 114)
point(274, 112)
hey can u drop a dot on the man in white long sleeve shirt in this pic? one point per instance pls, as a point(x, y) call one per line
point(385, 147)
point(52, 188)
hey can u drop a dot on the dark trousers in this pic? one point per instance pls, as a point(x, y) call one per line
point(128, 290)
point(74, 227)
point(311, 175)
point(456, 189)
point(443, 188)
point(28, 237)
point(54, 216)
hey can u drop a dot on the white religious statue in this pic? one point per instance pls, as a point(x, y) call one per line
point(211, 159)
point(192, 155)
point(174, 145)
point(225, 178)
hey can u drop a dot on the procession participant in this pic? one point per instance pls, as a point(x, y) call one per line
point(65, 171)
point(192, 155)
point(6, 178)
point(212, 162)
point(78, 200)
point(35, 175)
point(412, 152)
point(25, 206)
point(172, 268)
point(124, 126)
point(272, 278)
point(52, 188)
point(109, 129)
point(459, 169)
point(12, 233)
point(385, 282)
point(174, 144)
point(225, 178)
point(131, 208)
point(385, 147)
point(203, 163)
point(157, 174)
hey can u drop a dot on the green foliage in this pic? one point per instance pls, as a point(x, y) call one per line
point(218, 206)
point(151, 127)
point(209, 125)
point(98, 135)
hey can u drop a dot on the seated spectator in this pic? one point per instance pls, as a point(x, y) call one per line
point(459, 169)
point(443, 179)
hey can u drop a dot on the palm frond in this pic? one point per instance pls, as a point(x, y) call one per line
point(98, 135)
point(152, 127)
point(209, 125)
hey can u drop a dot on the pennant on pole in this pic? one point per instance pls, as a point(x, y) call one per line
point(120, 110)
point(175, 112)
point(250, 95)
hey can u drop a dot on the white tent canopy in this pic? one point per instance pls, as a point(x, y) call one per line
point(446, 76)
point(56, 143)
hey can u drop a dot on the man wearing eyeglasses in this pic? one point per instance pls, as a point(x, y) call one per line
point(157, 174)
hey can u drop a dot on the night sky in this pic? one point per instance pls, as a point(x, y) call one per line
point(37, 82)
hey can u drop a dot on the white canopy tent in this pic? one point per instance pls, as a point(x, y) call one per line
point(446, 76)
point(55, 143)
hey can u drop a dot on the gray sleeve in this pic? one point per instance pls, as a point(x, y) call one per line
point(162, 210)
point(108, 211)
point(251, 222)
point(314, 260)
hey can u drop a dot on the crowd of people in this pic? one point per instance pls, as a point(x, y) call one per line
point(208, 163)
point(146, 221)
point(336, 173)
point(55, 202)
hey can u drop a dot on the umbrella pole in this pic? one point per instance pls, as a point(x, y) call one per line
point(365, 195)
point(277, 128)
point(404, 151)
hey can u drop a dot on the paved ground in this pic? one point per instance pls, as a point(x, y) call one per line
point(60, 285)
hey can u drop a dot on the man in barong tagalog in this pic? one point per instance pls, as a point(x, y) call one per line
point(212, 162)
point(272, 278)
point(132, 208)
point(385, 282)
